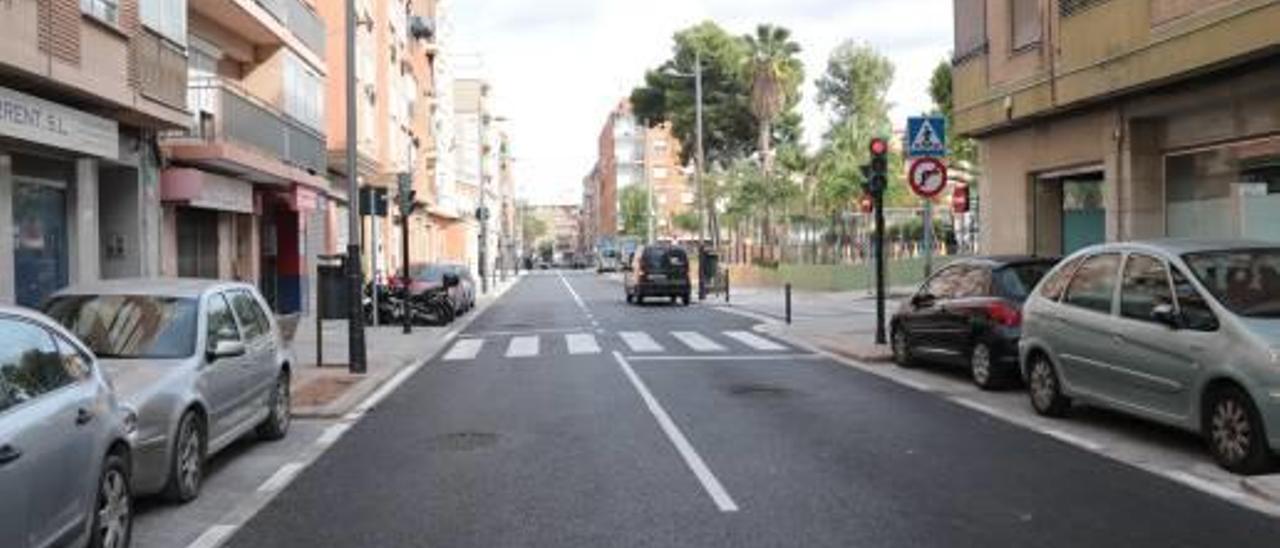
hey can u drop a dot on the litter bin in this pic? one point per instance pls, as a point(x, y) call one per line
point(332, 290)
point(708, 266)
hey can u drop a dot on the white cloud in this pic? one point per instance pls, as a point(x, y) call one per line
point(558, 66)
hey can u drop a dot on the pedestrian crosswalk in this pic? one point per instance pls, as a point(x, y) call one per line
point(639, 343)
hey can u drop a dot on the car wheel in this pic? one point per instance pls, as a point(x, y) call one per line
point(113, 513)
point(1045, 389)
point(186, 469)
point(1235, 433)
point(980, 369)
point(901, 346)
point(276, 425)
point(631, 299)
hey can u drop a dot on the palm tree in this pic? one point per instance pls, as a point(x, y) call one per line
point(775, 74)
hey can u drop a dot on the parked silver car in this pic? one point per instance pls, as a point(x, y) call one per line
point(1185, 333)
point(202, 362)
point(64, 441)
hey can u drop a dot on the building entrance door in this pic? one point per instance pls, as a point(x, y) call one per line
point(40, 234)
point(1069, 212)
point(197, 243)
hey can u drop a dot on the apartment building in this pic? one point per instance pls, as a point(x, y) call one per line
point(86, 86)
point(620, 163)
point(244, 190)
point(1104, 120)
point(479, 153)
point(673, 195)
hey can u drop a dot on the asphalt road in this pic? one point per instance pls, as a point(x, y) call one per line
point(559, 423)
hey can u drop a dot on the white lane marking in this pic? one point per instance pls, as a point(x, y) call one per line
point(754, 341)
point(212, 536)
point(640, 341)
point(697, 342)
point(576, 298)
point(278, 480)
point(912, 383)
point(464, 349)
point(523, 347)
point(332, 433)
point(979, 407)
point(1201, 484)
point(723, 358)
point(691, 458)
point(582, 343)
point(1073, 439)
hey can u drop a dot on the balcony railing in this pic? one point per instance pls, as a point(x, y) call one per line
point(301, 20)
point(224, 112)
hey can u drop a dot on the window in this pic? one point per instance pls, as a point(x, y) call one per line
point(975, 282)
point(1094, 284)
point(944, 284)
point(1016, 281)
point(1247, 281)
point(1025, 25)
point(1229, 192)
point(168, 18)
point(971, 28)
point(659, 173)
point(1195, 311)
point(29, 364)
point(220, 325)
point(75, 362)
point(303, 93)
point(1146, 286)
point(129, 326)
point(106, 10)
point(252, 319)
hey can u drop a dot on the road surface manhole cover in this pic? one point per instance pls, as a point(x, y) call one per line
point(464, 441)
point(758, 390)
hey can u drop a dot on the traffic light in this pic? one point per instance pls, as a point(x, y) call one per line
point(878, 170)
point(960, 198)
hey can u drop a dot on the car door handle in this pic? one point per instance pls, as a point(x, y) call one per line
point(83, 416)
point(8, 454)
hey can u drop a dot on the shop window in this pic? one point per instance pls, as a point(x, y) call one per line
point(1226, 192)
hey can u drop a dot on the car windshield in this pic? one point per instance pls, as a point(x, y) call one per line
point(1017, 281)
point(431, 273)
point(1246, 281)
point(129, 326)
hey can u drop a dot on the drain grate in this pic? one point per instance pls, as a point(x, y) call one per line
point(464, 441)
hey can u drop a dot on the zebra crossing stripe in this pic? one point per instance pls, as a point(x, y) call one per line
point(464, 349)
point(697, 342)
point(582, 343)
point(640, 341)
point(523, 347)
point(756, 342)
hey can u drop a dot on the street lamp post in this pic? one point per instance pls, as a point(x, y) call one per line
point(355, 310)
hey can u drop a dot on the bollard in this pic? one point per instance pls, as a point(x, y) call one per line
point(726, 287)
point(788, 304)
point(319, 328)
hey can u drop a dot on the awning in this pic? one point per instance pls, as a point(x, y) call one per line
point(205, 190)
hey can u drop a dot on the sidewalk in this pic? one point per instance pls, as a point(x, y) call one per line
point(839, 322)
point(330, 391)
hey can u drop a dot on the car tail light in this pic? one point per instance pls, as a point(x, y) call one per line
point(1004, 314)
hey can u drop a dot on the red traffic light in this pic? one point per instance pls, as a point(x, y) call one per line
point(879, 147)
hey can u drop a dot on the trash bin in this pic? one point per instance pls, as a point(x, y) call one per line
point(332, 289)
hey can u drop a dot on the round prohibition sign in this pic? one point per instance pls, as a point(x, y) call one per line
point(928, 177)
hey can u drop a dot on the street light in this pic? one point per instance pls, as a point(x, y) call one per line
point(701, 159)
point(355, 309)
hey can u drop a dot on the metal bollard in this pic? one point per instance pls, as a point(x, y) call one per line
point(726, 287)
point(788, 304)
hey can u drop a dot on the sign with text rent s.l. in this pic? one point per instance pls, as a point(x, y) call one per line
point(36, 120)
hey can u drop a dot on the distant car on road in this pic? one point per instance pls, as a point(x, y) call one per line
point(660, 270)
point(201, 362)
point(1181, 332)
point(64, 441)
point(969, 314)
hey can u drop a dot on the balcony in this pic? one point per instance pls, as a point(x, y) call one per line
point(251, 137)
point(298, 18)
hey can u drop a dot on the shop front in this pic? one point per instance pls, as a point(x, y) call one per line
point(209, 221)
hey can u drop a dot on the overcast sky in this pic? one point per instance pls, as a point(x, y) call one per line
point(558, 66)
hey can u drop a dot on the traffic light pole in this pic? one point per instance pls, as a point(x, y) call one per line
point(880, 268)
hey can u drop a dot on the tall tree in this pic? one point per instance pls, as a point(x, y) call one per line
point(774, 73)
point(633, 207)
point(855, 88)
point(940, 90)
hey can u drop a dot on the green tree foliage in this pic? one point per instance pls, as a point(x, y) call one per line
point(774, 73)
point(686, 222)
point(940, 90)
point(533, 227)
point(633, 206)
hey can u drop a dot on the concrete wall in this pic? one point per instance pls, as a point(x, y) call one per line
point(120, 224)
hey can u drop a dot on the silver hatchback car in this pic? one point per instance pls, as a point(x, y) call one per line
point(1182, 332)
point(64, 441)
point(202, 362)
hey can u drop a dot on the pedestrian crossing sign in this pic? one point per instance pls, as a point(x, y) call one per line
point(926, 137)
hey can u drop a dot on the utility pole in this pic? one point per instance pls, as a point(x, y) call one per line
point(482, 212)
point(355, 311)
point(702, 158)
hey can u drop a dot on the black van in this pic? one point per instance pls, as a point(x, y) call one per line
point(658, 271)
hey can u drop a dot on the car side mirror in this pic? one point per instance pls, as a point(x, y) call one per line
point(1167, 315)
point(451, 280)
point(225, 349)
point(923, 299)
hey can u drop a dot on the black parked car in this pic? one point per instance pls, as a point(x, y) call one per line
point(658, 271)
point(970, 314)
